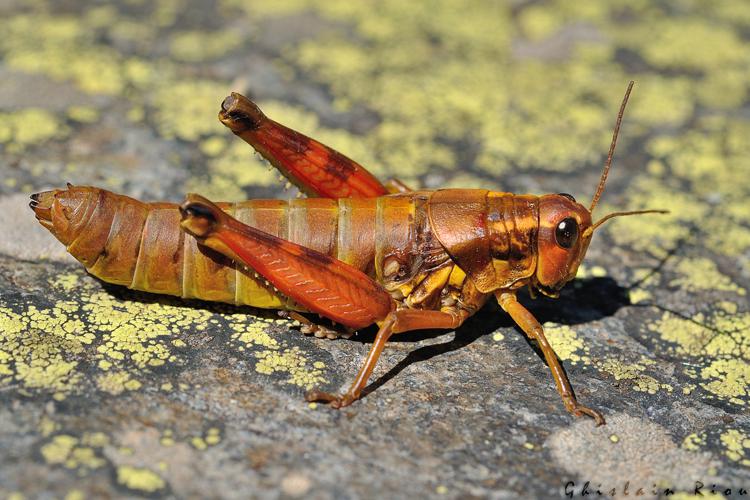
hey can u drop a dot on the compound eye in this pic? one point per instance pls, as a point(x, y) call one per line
point(566, 233)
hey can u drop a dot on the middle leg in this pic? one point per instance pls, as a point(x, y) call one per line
point(397, 322)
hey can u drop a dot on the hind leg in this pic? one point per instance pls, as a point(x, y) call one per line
point(313, 167)
point(318, 283)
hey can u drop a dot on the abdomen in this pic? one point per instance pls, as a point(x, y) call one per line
point(141, 246)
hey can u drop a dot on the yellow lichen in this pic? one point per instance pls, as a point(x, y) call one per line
point(140, 479)
point(138, 331)
point(24, 128)
point(663, 101)
point(539, 22)
point(47, 426)
point(737, 445)
point(83, 114)
point(58, 450)
point(598, 272)
point(292, 363)
point(167, 438)
point(694, 441)
point(198, 443)
point(689, 336)
point(717, 241)
point(66, 282)
point(252, 333)
point(187, 109)
point(101, 16)
point(75, 495)
point(166, 12)
point(721, 343)
point(637, 295)
point(214, 145)
point(727, 378)
point(633, 372)
point(62, 47)
point(65, 450)
point(690, 496)
point(213, 436)
point(39, 348)
point(723, 90)
point(194, 46)
point(36, 348)
point(656, 234)
point(691, 44)
point(95, 439)
point(732, 335)
point(566, 343)
point(722, 334)
point(699, 274)
point(116, 382)
point(228, 173)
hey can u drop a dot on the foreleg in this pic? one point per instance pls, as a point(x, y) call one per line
point(534, 331)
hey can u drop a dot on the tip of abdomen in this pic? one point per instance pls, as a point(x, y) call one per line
point(41, 204)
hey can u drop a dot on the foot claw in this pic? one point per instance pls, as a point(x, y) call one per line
point(333, 400)
point(580, 410)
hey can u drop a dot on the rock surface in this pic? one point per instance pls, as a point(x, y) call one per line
point(105, 392)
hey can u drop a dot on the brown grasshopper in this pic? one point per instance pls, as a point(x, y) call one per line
point(356, 252)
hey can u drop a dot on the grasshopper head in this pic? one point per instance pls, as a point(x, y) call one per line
point(565, 231)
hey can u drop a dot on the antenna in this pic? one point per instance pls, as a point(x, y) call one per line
point(620, 214)
point(611, 154)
